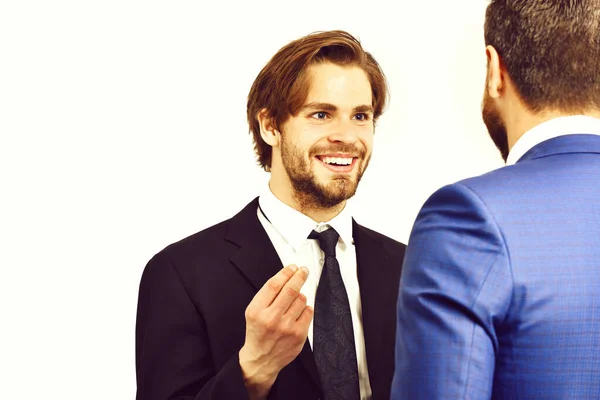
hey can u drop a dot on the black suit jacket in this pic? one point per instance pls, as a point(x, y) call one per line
point(193, 296)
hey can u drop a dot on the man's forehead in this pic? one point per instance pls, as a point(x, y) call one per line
point(333, 86)
point(335, 74)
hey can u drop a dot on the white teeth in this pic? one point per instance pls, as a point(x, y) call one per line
point(337, 160)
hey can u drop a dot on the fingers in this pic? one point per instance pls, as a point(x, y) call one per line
point(290, 291)
point(306, 316)
point(296, 307)
point(271, 289)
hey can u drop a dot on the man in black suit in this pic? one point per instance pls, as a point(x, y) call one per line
point(220, 317)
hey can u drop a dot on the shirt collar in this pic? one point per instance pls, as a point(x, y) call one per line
point(574, 124)
point(295, 227)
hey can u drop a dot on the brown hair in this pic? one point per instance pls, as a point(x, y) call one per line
point(551, 50)
point(282, 86)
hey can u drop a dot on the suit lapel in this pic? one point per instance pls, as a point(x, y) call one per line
point(257, 259)
point(375, 286)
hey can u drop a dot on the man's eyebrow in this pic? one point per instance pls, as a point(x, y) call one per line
point(330, 107)
point(319, 106)
point(363, 109)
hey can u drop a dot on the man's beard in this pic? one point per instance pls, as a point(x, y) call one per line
point(495, 125)
point(307, 189)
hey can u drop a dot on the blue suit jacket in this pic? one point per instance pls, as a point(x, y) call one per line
point(500, 290)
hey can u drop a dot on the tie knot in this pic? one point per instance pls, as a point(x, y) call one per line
point(327, 240)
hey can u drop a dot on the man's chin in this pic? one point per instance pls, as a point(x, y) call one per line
point(325, 189)
point(339, 189)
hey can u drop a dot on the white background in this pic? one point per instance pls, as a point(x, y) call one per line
point(123, 129)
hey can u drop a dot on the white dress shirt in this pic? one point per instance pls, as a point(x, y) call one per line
point(288, 230)
point(550, 129)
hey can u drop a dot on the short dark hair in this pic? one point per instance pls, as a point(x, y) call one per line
point(551, 50)
point(282, 85)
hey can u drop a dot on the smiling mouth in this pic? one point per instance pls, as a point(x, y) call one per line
point(338, 163)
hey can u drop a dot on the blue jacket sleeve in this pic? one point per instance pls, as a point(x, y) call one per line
point(455, 291)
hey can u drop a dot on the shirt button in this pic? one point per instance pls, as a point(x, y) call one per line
point(321, 261)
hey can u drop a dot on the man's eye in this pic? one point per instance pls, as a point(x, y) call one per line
point(320, 115)
point(362, 116)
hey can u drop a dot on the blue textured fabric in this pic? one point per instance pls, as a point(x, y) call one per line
point(500, 290)
point(333, 336)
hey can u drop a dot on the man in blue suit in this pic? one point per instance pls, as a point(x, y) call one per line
point(500, 290)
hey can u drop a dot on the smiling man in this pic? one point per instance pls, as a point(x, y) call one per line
point(220, 317)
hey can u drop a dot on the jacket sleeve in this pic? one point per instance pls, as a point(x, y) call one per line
point(455, 291)
point(173, 356)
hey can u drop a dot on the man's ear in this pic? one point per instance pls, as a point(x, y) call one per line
point(495, 73)
point(268, 131)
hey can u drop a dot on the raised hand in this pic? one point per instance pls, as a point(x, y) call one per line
point(277, 322)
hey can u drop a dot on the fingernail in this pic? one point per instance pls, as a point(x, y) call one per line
point(293, 268)
point(305, 270)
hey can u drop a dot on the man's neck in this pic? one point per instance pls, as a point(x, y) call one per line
point(306, 204)
point(524, 121)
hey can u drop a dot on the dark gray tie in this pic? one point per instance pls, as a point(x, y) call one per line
point(333, 336)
